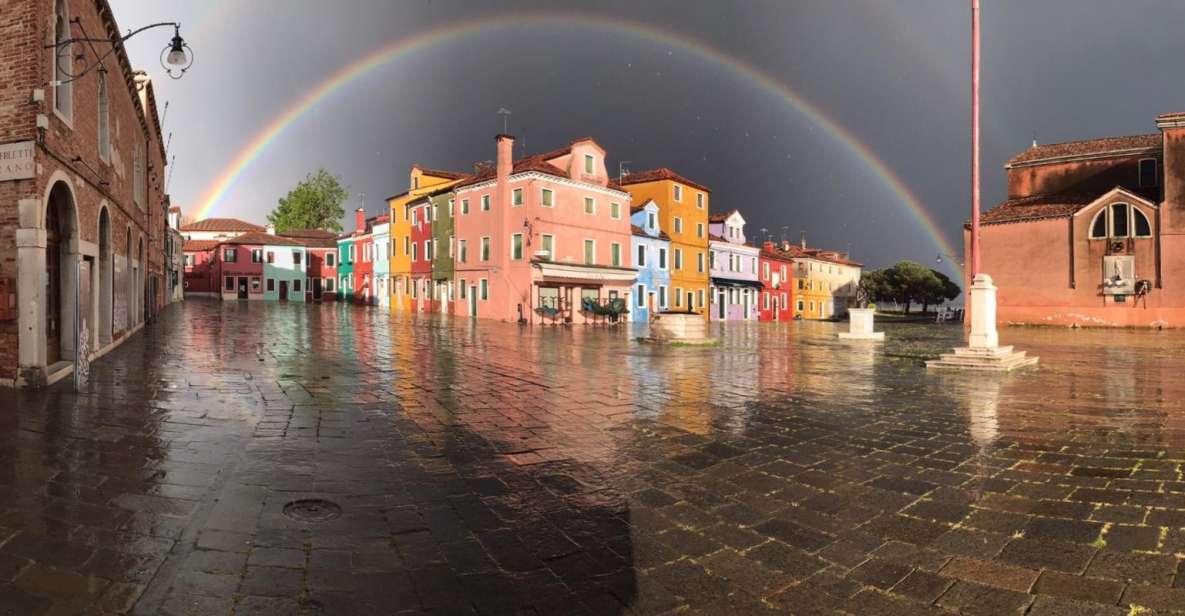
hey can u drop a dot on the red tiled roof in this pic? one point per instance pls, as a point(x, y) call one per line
point(222, 224)
point(262, 238)
point(640, 232)
point(1038, 207)
point(313, 238)
point(1169, 117)
point(775, 254)
point(662, 173)
point(794, 251)
point(721, 217)
point(438, 173)
point(199, 245)
point(535, 162)
point(1089, 147)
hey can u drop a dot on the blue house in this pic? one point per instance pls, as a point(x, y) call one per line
point(652, 249)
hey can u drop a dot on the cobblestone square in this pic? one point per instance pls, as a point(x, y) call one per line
point(483, 468)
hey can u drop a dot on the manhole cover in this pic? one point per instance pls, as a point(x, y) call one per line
point(312, 510)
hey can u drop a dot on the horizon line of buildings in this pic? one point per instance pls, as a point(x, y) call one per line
point(546, 238)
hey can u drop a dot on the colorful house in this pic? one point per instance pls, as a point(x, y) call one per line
point(321, 268)
point(420, 181)
point(683, 207)
point(443, 208)
point(650, 247)
point(1092, 232)
point(733, 263)
point(201, 276)
point(346, 256)
point(776, 303)
point(824, 281)
point(544, 239)
point(419, 212)
point(380, 238)
point(284, 268)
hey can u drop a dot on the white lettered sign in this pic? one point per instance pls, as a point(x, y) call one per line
point(17, 161)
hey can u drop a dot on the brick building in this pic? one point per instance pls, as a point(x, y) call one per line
point(83, 221)
point(1092, 232)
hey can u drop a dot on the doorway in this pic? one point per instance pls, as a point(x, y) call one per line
point(473, 300)
point(283, 290)
point(242, 287)
point(317, 289)
point(53, 285)
point(721, 307)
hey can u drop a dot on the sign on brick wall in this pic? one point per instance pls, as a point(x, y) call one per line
point(17, 161)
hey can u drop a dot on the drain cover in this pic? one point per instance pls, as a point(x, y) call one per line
point(312, 510)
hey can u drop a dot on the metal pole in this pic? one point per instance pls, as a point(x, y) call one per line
point(974, 138)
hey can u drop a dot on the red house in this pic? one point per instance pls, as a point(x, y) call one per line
point(775, 302)
point(1092, 232)
point(201, 270)
point(423, 250)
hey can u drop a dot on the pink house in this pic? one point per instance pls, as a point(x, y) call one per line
point(544, 239)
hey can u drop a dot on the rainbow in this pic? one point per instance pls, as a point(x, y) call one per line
point(409, 45)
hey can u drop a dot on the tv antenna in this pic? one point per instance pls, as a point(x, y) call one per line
point(621, 170)
point(505, 113)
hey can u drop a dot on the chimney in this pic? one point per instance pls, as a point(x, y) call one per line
point(786, 245)
point(359, 219)
point(802, 240)
point(505, 161)
point(271, 229)
point(502, 167)
point(768, 246)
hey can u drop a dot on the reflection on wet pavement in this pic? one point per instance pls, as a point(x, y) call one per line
point(484, 468)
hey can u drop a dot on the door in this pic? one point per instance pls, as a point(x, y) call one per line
point(690, 305)
point(472, 300)
point(242, 287)
point(53, 287)
point(720, 305)
point(317, 288)
point(283, 290)
point(745, 304)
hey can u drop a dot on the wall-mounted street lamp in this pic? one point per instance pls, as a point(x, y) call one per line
point(176, 57)
point(954, 258)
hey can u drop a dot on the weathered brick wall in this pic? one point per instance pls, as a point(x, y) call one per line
point(71, 144)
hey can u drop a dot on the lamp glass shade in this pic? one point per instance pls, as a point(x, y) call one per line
point(176, 56)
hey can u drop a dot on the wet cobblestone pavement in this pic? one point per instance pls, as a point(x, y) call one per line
point(492, 470)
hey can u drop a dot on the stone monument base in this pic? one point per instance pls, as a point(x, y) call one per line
point(993, 359)
point(680, 328)
point(860, 325)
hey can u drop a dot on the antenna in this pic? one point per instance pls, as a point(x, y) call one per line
point(168, 142)
point(164, 115)
point(784, 231)
point(172, 163)
point(505, 113)
point(765, 232)
point(621, 170)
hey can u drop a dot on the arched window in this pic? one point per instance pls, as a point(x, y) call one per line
point(63, 99)
point(104, 119)
point(1120, 220)
point(1141, 227)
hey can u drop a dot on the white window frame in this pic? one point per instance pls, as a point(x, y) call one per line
point(590, 206)
point(615, 254)
point(464, 206)
point(485, 203)
point(641, 256)
point(699, 200)
point(640, 302)
point(521, 247)
point(484, 249)
point(662, 297)
point(484, 287)
point(516, 197)
point(678, 225)
point(104, 118)
point(544, 199)
point(664, 261)
point(590, 163)
point(63, 93)
point(615, 211)
point(678, 193)
point(678, 260)
point(587, 244)
point(547, 242)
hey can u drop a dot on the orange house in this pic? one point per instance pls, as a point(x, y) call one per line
point(1092, 232)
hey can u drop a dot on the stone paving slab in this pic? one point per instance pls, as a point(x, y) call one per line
point(490, 469)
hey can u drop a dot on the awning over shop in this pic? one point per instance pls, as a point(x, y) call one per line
point(736, 282)
point(573, 272)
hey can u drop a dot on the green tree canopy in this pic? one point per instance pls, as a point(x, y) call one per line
point(315, 203)
point(908, 282)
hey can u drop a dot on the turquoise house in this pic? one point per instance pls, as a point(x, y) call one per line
point(651, 254)
point(345, 268)
point(285, 276)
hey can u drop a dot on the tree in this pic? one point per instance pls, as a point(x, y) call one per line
point(315, 203)
point(938, 290)
point(908, 282)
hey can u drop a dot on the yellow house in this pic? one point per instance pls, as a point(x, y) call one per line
point(422, 180)
point(683, 214)
point(825, 282)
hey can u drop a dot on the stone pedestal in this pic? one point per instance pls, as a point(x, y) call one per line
point(680, 328)
point(860, 325)
point(983, 350)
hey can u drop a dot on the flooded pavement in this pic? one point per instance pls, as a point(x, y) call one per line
point(288, 459)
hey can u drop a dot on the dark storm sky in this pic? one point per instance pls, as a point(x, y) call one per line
point(894, 73)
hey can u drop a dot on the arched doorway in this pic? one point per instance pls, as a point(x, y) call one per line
point(106, 317)
point(129, 282)
point(60, 271)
